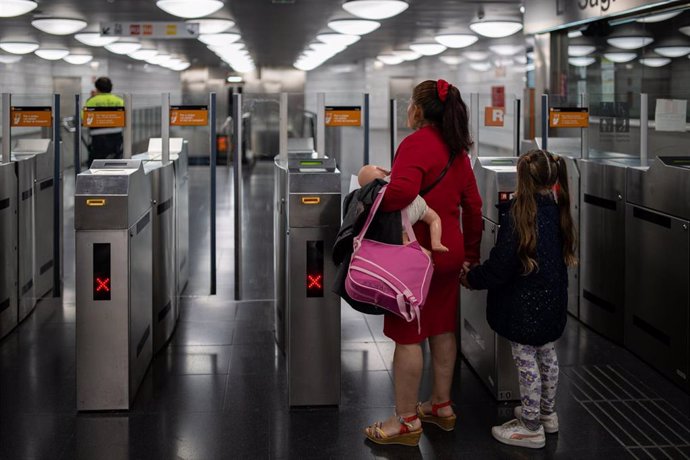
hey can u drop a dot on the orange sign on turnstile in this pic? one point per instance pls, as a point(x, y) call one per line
point(103, 117)
point(189, 115)
point(569, 117)
point(493, 116)
point(344, 116)
point(31, 117)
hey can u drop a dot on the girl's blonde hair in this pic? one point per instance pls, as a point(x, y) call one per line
point(539, 170)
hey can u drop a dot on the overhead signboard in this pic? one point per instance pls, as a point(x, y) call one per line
point(344, 116)
point(493, 116)
point(189, 115)
point(569, 117)
point(103, 117)
point(150, 29)
point(546, 15)
point(31, 117)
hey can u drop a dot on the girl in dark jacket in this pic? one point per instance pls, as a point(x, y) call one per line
point(526, 275)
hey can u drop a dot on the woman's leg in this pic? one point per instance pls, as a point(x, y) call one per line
point(548, 368)
point(525, 357)
point(443, 354)
point(407, 374)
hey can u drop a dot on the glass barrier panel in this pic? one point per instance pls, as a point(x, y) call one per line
point(614, 126)
point(198, 137)
point(145, 114)
point(496, 133)
point(668, 133)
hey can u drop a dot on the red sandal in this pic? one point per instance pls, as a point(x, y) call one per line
point(406, 436)
point(445, 423)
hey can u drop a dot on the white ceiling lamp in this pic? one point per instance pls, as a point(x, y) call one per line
point(59, 26)
point(354, 26)
point(95, 39)
point(476, 55)
point(338, 39)
point(235, 79)
point(407, 55)
point(190, 8)
point(672, 51)
point(655, 61)
point(9, 58)
point(159, 59)
point(659, 17)
point(580, 50)
point(12, 8)
point(18, 47)
point(581, 61)
point(428, 49)
point(480, 66)
point(219, 39)
point(184, 65)
point(629, 37)
point(123, 47)
point(496, 28)
point(390, 59)
point(78, 59)
point(212, 25)
point(51, 54)
point(575, 34)
point(456, 40)
point(521, 59)
point(685, 30)
point(375, 9)
point(506, 50)
point(327, 48)
point(143, 54)
point(452, 60)
point(620, 57)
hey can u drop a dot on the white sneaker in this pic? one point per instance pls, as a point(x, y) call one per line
point(514, 433)
point(549, 422)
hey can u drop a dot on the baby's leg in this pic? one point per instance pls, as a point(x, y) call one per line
point(434, 222)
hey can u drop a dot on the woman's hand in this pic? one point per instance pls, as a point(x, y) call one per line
point(384, 171)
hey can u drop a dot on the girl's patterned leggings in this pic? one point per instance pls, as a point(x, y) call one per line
point(538, 373)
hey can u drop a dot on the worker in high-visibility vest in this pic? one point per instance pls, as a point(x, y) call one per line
point(105, 142)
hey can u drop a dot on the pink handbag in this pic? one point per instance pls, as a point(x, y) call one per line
point(393, 277)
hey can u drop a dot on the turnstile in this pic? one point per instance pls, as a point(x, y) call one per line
point(489, 354)
point(8, 248)
point(42, 150)
point(657, 252)
point(307, 319)
point(179, 155)
point(113, 222)
point(26, 293)
point(602, 246)
point(165, 306)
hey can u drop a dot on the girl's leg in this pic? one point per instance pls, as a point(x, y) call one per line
point(548, 368)
point(525, 357)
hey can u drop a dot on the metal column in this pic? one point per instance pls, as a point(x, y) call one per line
point(237, 182)
point(213, 155)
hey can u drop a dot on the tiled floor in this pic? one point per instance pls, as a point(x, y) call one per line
point(218, 391)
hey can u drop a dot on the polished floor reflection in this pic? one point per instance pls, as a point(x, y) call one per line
point(218, 391)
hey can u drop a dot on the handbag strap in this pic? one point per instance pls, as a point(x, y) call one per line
point(372, 212)
point(429, 187)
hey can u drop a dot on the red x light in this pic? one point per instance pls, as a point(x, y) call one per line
point(314, 282)
point(102, 285)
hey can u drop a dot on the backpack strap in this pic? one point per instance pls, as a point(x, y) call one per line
point(370, 217)
point(429, 187)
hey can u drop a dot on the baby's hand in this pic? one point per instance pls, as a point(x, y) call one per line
point(439, 248)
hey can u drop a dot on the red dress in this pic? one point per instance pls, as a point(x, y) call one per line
point(419, 161)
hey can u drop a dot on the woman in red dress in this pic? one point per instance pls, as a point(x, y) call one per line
point(440, 119)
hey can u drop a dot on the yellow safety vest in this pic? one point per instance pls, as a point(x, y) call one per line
point(105, 100)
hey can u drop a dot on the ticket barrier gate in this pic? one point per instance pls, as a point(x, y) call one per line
point(179, 156)
point(602, 245)
point(26, 226)
point(489, 354)
point(657, 252)
point(113, 223)
point(42, 150)
point(8, 248)
point(307, 320)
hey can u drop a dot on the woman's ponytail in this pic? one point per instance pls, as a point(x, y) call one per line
point(567, 227)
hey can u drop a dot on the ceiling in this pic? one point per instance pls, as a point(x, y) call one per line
point(274, 33)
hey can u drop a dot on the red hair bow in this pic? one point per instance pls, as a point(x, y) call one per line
point(442, 87)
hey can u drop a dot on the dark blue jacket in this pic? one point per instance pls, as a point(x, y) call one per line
point(527, 309)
